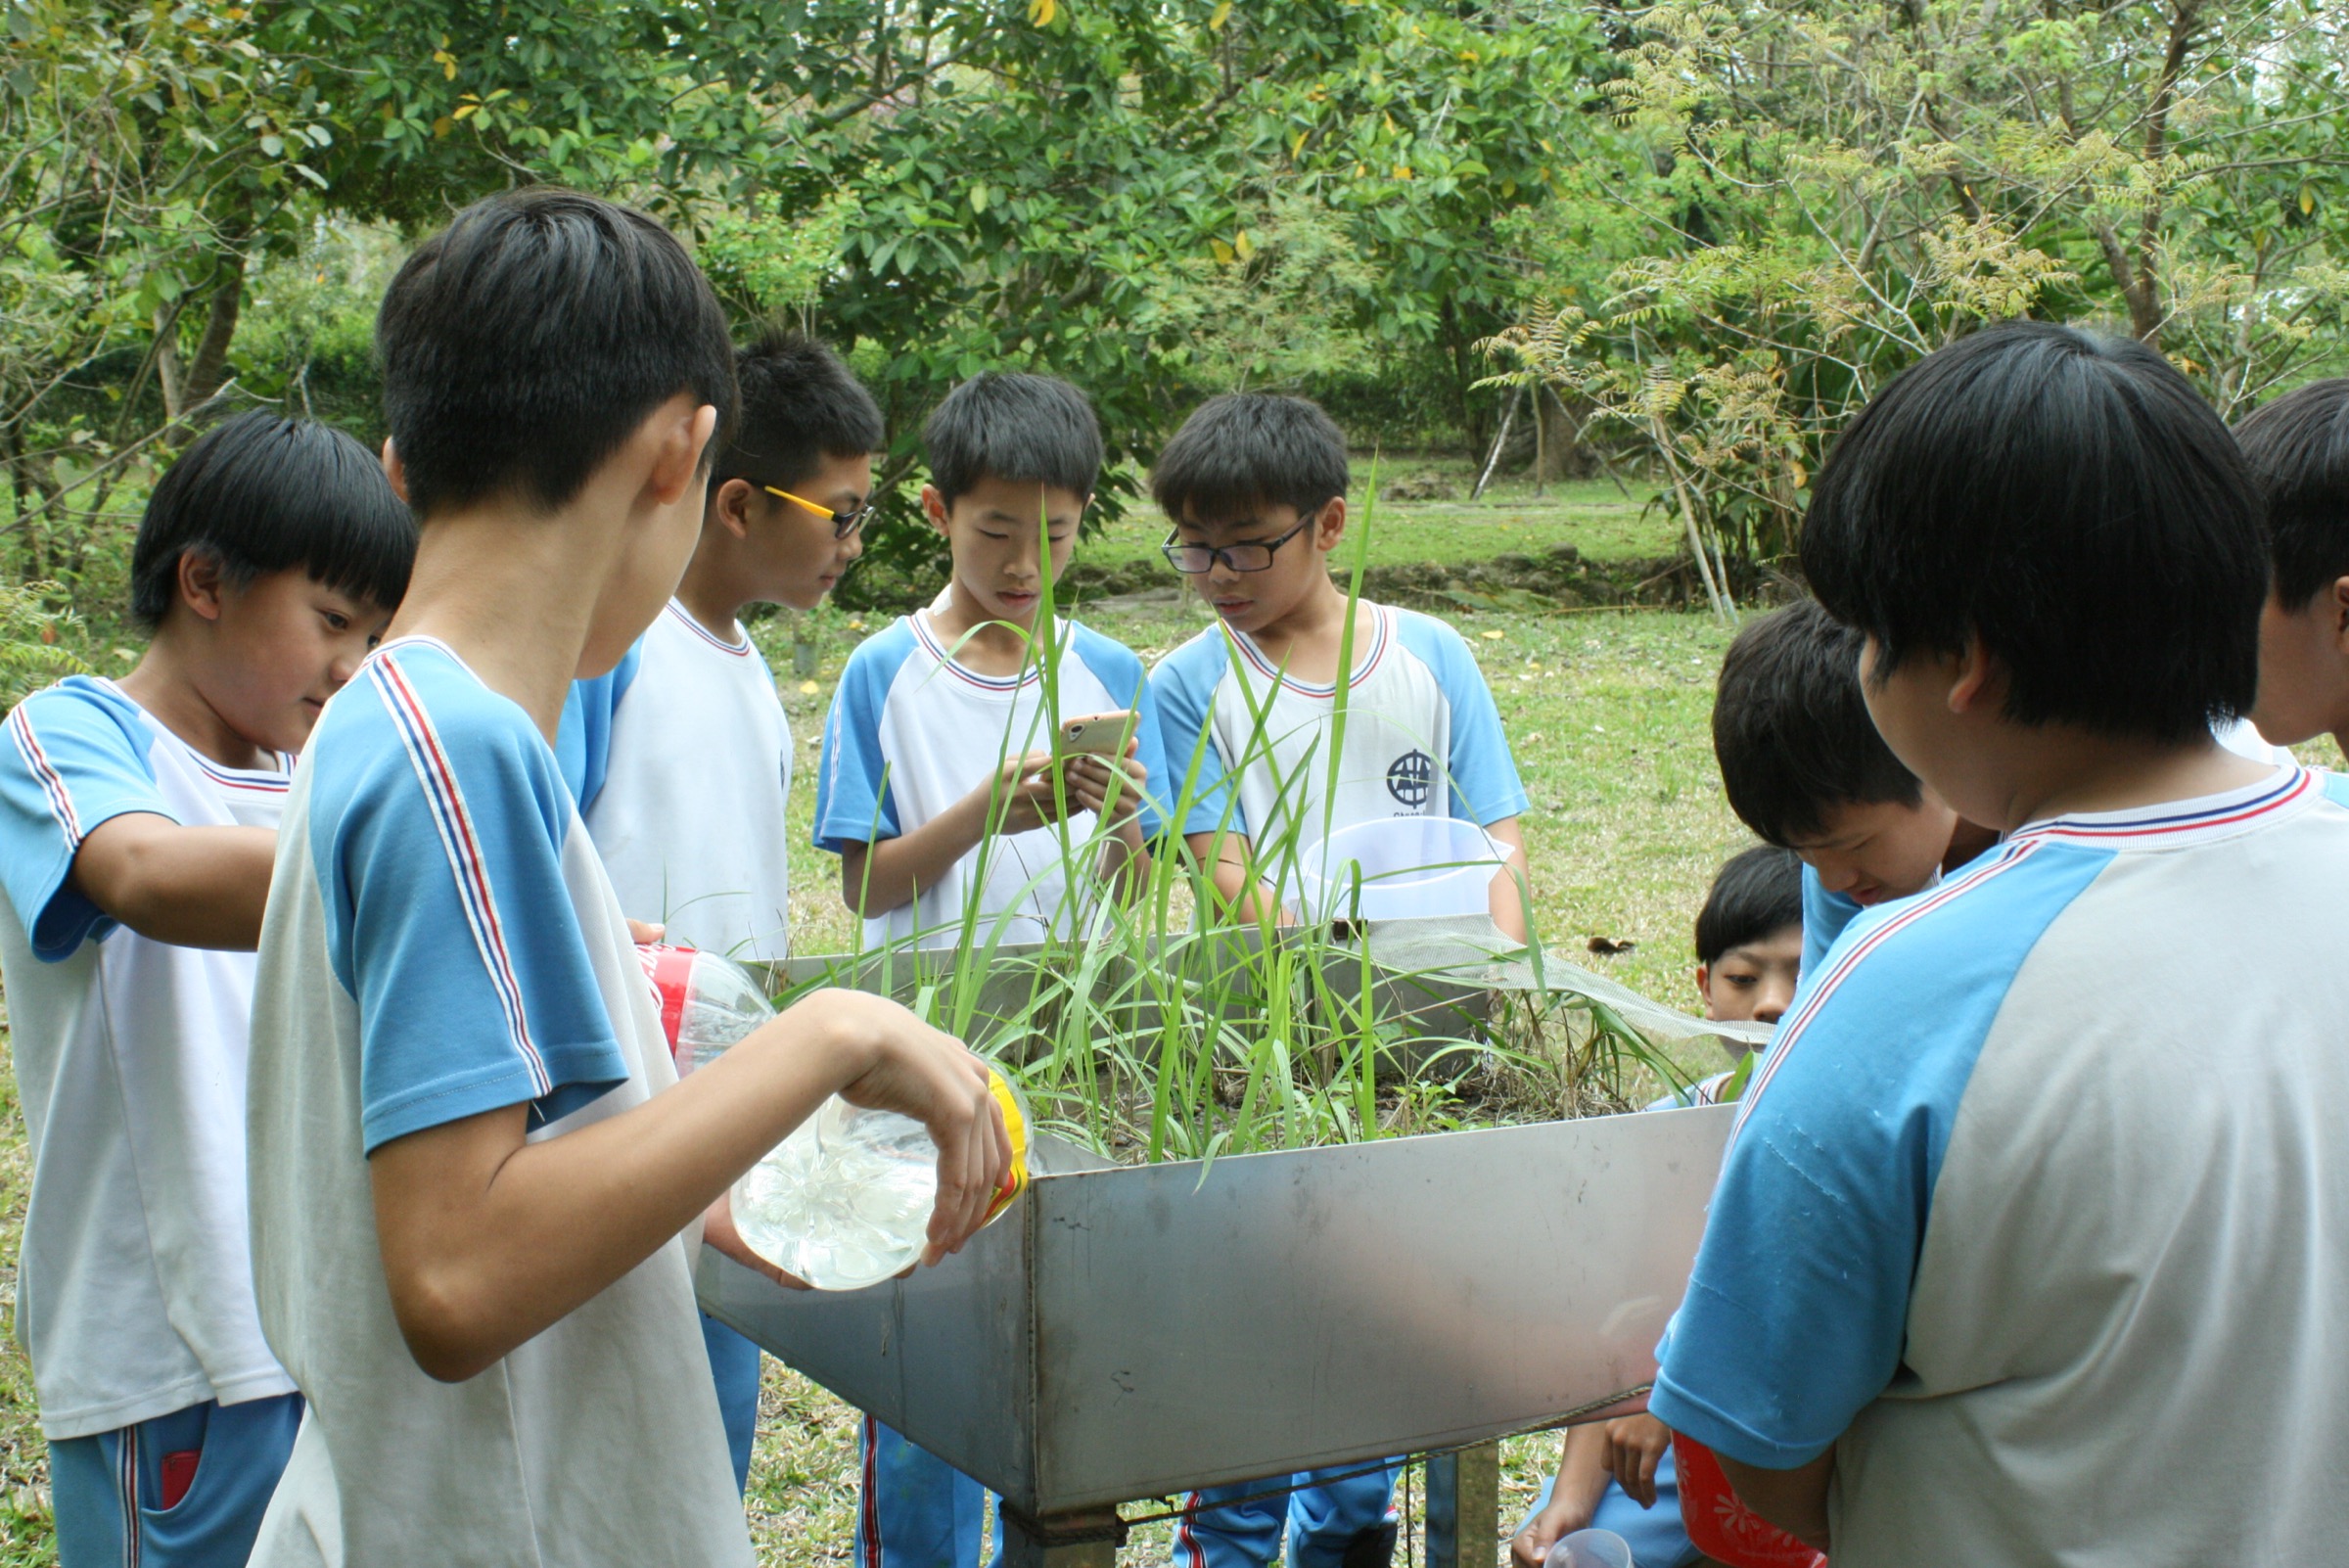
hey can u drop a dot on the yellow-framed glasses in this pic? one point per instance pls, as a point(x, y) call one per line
point(843, 524)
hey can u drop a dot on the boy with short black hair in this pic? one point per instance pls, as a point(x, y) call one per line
point(476, 1177)
point(138, 819)
point(940, 788)
point(2298, 448)
point(1255, 485)
point(681, 756)
point(2057, 1145)
point(941, 791)
point(1804, 767)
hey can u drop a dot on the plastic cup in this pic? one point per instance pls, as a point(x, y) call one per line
point(1407, 866)
point(1590, 1549)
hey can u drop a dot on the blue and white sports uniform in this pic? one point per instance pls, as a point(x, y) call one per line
point(2038, 1211)
point(912, 731)
point(681, 762)
point(1422, 736)
point(134, 1288)
point(441, 942)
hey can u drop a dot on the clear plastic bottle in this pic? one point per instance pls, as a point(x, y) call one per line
point(845, 1201)
point(706, 1002)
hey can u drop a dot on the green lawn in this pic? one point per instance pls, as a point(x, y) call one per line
point(1608, 712)
point(1602, 522)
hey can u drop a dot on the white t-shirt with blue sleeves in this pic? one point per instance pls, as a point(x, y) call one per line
point(912, 731)
point(1422, 735)
point(134, 1286)
point(441, 942)
point(680, 760)
point(2038, 1208)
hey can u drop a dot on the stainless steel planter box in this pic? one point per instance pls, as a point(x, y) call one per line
point(1132, 1332)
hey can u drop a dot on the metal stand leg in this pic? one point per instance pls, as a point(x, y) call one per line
point(1463, 1508)
point(1064, 1540)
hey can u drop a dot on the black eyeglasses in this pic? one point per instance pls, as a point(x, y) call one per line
point(843, 524)
point(1192, 559)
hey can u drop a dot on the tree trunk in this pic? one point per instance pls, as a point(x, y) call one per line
point(187, 385)
point(1557, 430)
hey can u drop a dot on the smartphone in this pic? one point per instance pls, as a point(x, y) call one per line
point(1097, 734)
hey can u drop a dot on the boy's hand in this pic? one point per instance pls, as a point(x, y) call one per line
point(1635, 1444)
point(719, 1235)
point(1561, 1516)
point(1023, 789)
point(932, 1076)
point(1089, 778)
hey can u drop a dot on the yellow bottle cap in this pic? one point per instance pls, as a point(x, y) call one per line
point(1015, 1122)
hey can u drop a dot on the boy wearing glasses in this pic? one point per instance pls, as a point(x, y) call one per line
point(681, 755)
point(1255, 485)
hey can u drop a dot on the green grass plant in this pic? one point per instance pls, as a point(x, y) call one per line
point(1153, 1024)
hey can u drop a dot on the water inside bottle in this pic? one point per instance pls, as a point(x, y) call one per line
point(845, 1201)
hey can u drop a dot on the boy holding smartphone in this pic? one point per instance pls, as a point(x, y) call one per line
point(972, 799)
point(949, 787)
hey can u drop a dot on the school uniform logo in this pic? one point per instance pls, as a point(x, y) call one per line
point(1411, 778)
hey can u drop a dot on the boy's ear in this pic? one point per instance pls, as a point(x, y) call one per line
point(1331, 525)
point(934, 507)
point(2340, 615)
point(681, 432)
point(1704, 982)
point(1980, 680)
point(202, 583)
point(395, 470)
point(731, 502)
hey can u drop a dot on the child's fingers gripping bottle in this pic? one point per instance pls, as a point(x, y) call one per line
point(845, 1201)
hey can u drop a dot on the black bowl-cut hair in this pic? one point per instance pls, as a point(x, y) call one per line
point(1756, 894)
point(1010, 425)
point(262, 493)
point(799, 406)
point(1791, 730)
point(522, 344)
point(2067, 498)
point(2298, 449)
point(1244, 452)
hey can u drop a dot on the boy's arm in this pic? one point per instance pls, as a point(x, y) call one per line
point(1225, 858)
point(1795, 1501)
point(488, 1239)
point(1573, 1498)
point(1512, 890)
point(888, 873)
point(193, 887)
point(86, 836)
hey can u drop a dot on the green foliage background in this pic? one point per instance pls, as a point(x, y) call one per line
point(1703, 229)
